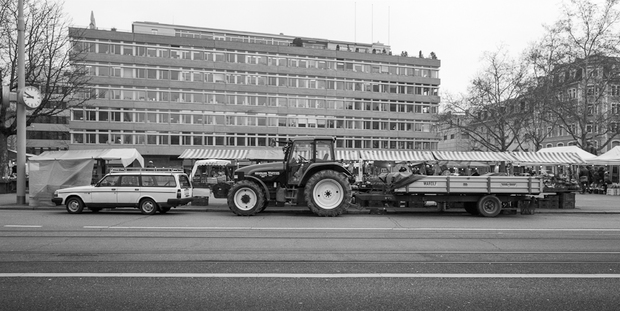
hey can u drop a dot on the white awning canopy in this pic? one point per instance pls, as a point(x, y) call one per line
point(230, 154)
point(611, 157)
point(397, 156)
point(125, 155)
point(547, 158)
point(473, 156)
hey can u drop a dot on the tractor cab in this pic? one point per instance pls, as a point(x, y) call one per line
point(303, 153)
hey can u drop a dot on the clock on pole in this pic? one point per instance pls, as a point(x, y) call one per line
point(30, 96)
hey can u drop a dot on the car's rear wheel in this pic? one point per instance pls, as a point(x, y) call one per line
point(148, 206)
point(94, 209)
point(74, 205)
point(164, 210)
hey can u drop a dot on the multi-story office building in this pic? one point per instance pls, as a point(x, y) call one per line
point(165, 89)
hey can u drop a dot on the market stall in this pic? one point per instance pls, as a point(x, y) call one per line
point(52, 170)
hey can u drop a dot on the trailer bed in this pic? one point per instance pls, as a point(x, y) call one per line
point(473, 185)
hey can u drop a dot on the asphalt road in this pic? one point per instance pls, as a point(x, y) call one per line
point(122, 260)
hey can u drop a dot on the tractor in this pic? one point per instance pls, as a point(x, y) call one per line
point(310, 175)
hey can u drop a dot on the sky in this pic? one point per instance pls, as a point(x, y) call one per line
point(458, 31)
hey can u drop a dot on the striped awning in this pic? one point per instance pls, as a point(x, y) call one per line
point(473, 156)
point(543, 158)
point(274, 154)
point(397, 156)
point(228, 154)
point(347, 155)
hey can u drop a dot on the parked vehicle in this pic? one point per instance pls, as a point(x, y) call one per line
point(309, 175)
point(479, 195)
point(148, 189)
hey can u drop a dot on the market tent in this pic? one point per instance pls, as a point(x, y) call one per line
point(611, 157)
point(126, 156)
point(212, 153)
point(475, 158)
point(347, 155)
point(52, 170)
point(271, 154)
point(546, 158)
point(208, 162)
point(584, 155)
point(397, 156)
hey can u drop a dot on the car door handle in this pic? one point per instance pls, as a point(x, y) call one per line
point(136, 189)
point(113, 189)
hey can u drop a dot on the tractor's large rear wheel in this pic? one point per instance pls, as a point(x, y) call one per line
point(328, 193)
point(246, 198)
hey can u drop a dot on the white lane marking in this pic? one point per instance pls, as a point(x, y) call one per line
point(22, 226)
point(359, 229)
point(309, 275)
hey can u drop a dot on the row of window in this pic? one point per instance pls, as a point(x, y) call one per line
point(244, 119)
point(231, 139)
point(273, 80)
point(614, 127)
point(267, 100)
point(246, 57)
point(47, 135)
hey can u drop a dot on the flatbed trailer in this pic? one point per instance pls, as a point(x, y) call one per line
point(483, 195)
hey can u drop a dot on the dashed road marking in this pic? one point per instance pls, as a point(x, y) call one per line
point(22, 226)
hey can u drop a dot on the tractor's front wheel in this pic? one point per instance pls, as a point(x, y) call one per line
point(328, 193)
point(246, 198)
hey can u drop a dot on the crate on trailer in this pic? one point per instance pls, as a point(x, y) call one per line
point(567, 200)
point(543, 203)
point(553, 201)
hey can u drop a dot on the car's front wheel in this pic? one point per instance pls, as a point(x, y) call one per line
point(74, 205)
point(148, 206)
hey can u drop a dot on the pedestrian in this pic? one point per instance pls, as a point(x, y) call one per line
point(584, 179)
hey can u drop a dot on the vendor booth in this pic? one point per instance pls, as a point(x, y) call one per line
point(53, 170)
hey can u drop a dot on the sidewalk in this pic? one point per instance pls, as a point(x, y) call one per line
point(584, 203)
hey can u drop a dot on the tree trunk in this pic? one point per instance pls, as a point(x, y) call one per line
point(4, 156)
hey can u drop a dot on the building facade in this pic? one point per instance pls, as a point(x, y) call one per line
point(163, 89)
point(592, 89)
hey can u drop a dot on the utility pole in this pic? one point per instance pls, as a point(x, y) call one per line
point(21, 109)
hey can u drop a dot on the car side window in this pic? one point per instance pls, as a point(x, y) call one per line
point(165, 181)
point(149, 181)
point(129, 181)
point(109, 181)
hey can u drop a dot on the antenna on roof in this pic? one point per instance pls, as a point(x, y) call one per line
point(92, 25)
point(355, 24)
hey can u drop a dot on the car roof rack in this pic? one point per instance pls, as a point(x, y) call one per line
point(145, 169)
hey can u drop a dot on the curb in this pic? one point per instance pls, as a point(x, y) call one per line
point(351, 211)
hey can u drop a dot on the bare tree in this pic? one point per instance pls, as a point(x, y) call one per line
point(49, 54)
point(583, 73)
point(491, 113)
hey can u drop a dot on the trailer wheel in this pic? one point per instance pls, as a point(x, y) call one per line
point(245, 198)
point(328, 193)
point(489, 206)
point(471, 208)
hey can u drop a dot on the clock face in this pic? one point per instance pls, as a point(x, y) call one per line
point(30, 96)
